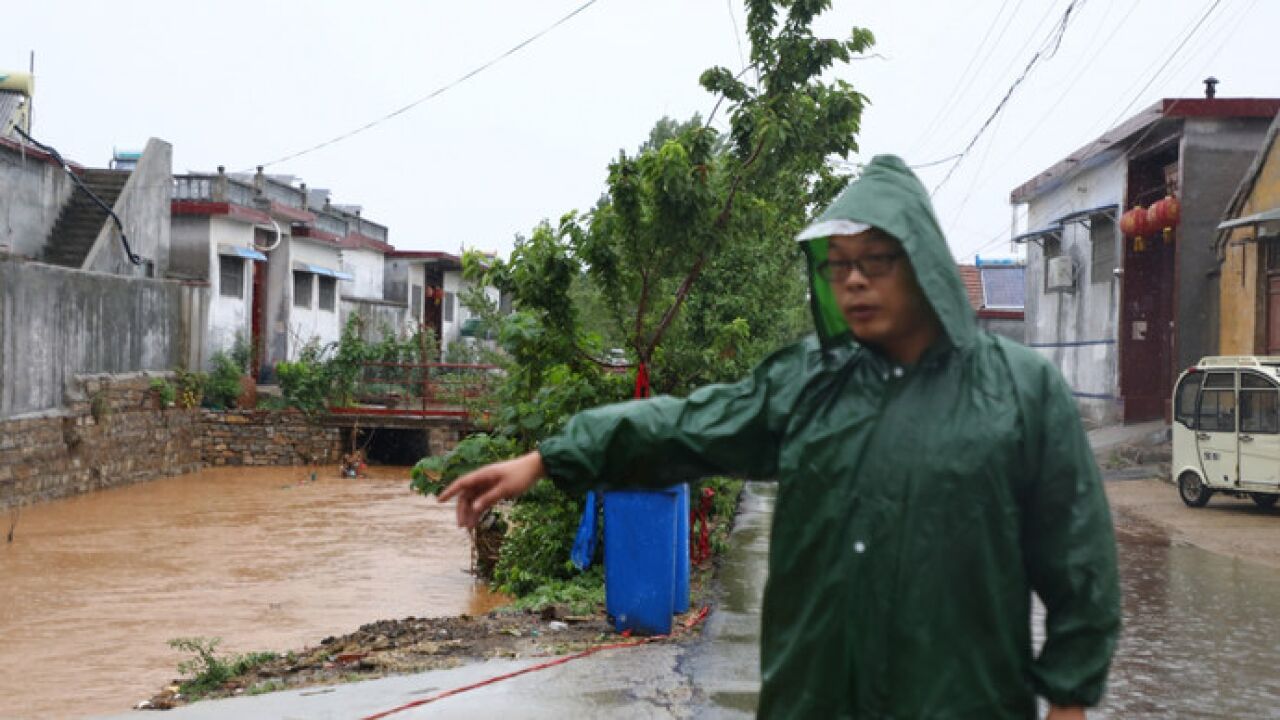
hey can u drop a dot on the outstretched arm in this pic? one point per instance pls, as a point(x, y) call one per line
point(479, 490)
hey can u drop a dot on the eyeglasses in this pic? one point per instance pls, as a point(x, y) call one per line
point(869, 266)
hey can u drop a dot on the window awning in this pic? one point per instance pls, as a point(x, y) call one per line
point(1088, 214)
point(1055, 226)
point(238, 251)
point(1036, 234)
point(1271, 215)
point(318, 270)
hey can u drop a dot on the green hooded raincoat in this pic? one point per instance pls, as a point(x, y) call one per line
point(917, 507)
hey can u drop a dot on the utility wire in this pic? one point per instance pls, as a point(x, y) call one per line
point(1064, 94)
point(434, 93)
point(1048, 51)
point(965, 79)
point(737, 36)
point(1168, 59)
point(931, 163)
point(975, 108)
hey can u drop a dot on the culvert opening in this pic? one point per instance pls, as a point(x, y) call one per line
point(385, 446)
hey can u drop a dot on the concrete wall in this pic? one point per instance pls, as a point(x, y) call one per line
point(143, 207)
point(1076, 330)
point(311, 323)
point(395, 279)
point(1214, 155)
point(230, 318)
point(32, 192)
point(455, 284)
point(379, 317)
point(366, 267)
point(189, 242)
point(56, 323)
point(1243, 316)
point(1012, 329)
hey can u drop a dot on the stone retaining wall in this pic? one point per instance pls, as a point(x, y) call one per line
point(263, 437)
point(112, 431)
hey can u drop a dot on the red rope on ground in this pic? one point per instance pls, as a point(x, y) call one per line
point(689, 624)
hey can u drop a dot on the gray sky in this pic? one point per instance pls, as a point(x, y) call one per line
point(243, 83)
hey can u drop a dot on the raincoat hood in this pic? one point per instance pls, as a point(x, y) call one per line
point(890, 197)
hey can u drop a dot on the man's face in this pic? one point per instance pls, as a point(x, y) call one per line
point(888, 310)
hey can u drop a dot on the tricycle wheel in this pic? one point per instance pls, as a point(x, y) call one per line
point(1264, 500)
point(1192, 490)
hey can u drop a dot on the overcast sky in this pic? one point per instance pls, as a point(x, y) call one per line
point(243, 83)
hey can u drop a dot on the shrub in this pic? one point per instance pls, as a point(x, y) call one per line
point(190, 386)
point(164, 391)
point(208, 671)
point(222, 386)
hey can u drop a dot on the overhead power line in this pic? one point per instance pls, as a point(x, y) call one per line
point(434, 93)
point(1048, 50)
point(1168, 59)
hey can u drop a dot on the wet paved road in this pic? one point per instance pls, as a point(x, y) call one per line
point(93, 587)
point(1201, 636)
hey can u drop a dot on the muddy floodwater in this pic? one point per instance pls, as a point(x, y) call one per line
point(93, 587)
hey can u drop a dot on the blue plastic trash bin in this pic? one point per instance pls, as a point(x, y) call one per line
point(681, 603)
point(640, 528)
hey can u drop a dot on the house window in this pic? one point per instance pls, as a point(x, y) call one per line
point(448, 307)
point(230, 276)
point(302, 289)
point(1102, 236)
point(415, 302)
point(328, 292)
point(1051, 247)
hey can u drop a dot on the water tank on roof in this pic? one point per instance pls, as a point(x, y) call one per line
point(18, 82)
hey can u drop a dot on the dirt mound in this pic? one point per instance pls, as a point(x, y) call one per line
point(392, 647)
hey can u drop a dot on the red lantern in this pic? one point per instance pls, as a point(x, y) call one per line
point(1164, 215)
point(1134, 224)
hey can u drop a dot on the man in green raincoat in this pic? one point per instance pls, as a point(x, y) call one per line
point(931, 476)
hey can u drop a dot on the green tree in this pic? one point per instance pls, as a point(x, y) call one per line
point(688, 258)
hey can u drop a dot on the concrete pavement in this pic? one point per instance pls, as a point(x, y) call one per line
point(715, 676)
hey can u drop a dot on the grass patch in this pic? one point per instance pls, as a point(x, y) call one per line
point(207, 669)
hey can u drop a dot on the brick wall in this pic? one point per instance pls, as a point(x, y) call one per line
point(112, 431)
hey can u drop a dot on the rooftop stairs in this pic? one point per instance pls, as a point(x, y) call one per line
point(81, 219)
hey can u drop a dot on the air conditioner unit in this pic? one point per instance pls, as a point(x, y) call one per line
point(1060, 274)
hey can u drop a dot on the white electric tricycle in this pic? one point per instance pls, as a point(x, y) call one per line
point(1226, 430)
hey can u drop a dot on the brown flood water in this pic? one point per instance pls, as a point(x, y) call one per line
point(93, 587)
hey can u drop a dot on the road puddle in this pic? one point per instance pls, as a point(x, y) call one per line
point(1201, 635)
point(93, 587)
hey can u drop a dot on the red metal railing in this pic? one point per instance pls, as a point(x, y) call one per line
point(425, 389)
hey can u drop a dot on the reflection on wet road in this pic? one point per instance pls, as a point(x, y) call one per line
point(1201, 636)
point(93, 587)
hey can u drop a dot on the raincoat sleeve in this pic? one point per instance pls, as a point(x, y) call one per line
point(1068, 546)
point(731, 429)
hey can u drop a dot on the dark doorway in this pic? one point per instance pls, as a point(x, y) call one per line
point(1148, 329)
point(387, 446)
point(432, 317)
point(258, 321)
